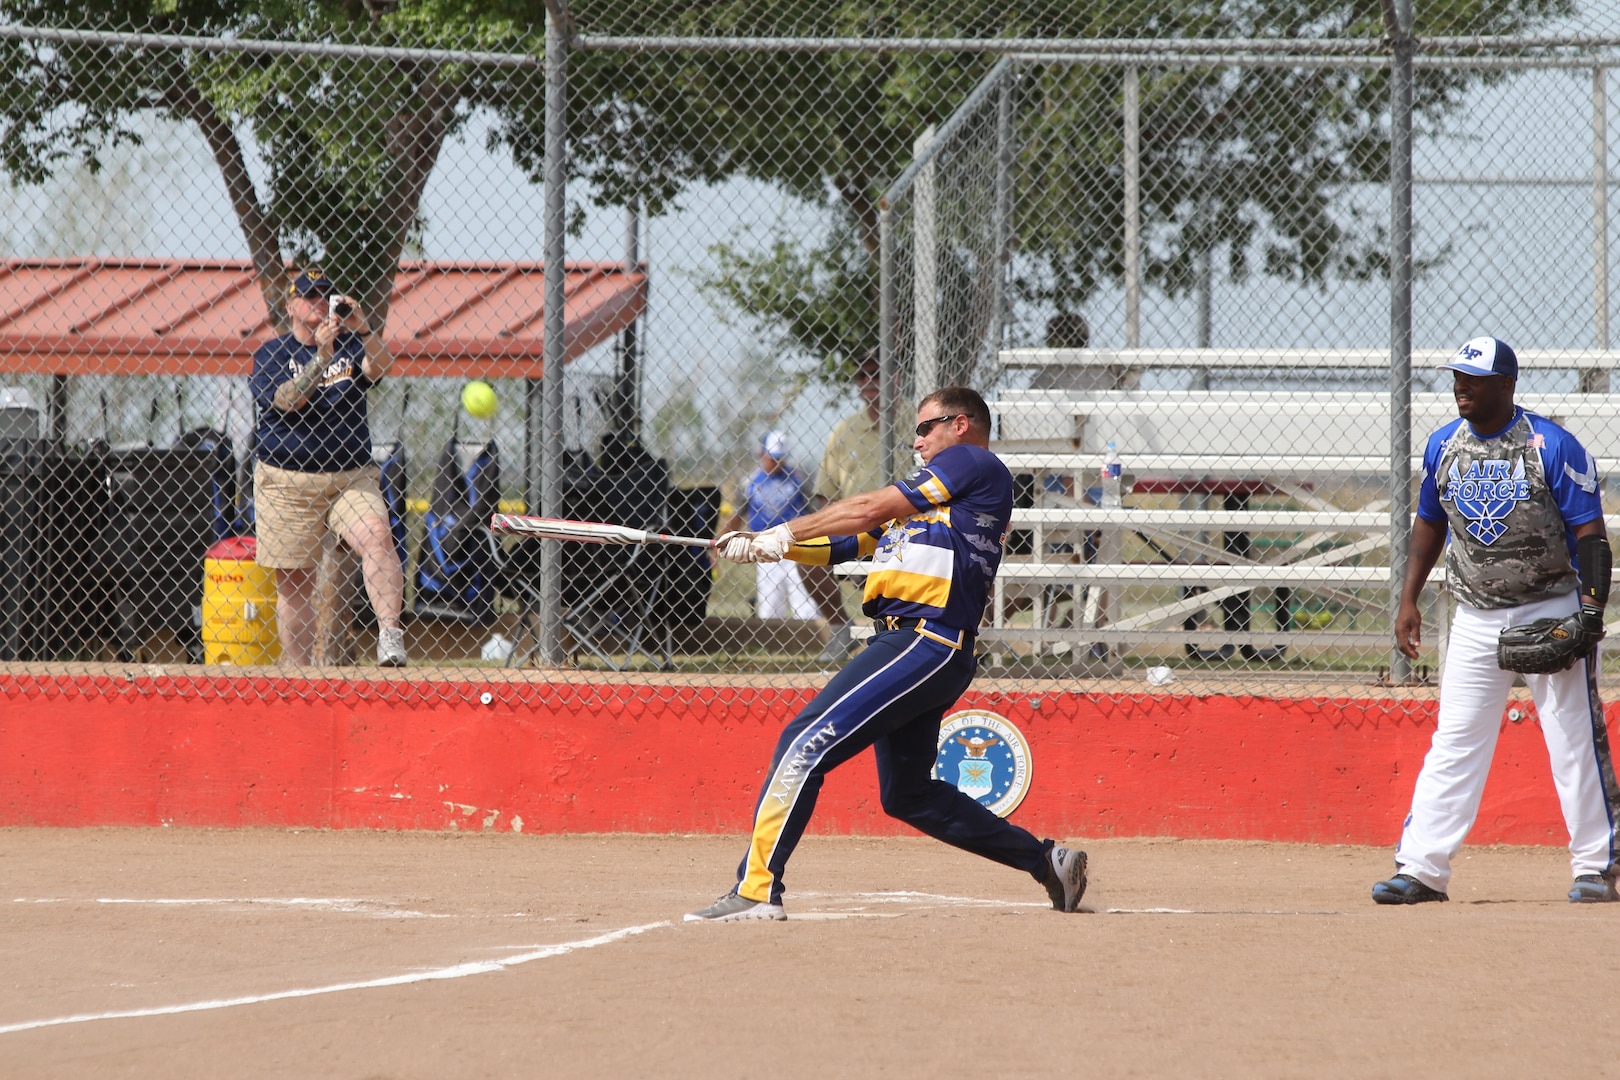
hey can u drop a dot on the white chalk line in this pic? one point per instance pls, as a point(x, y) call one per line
point(343, 905)
point(1211, 911)
point(918, 899)
point(925, 901)
point(835, 917)
point(457, 971)
point(377, 909)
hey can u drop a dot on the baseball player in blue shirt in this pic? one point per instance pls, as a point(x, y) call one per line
point(936, 541)
point(1520, 499)
point(775, 493)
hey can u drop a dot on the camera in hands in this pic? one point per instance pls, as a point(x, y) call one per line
point(340, 308)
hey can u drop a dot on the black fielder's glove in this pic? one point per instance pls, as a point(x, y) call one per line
point(1548, 645)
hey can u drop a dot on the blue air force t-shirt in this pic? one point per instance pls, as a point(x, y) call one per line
point(330, 434)
point(1510, 501)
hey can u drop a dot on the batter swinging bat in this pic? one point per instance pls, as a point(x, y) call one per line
point(587, 532)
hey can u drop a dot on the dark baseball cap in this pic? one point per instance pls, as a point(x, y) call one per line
point(1484, 356)
point(313, 282)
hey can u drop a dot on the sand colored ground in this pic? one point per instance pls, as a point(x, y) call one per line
point(410, 955)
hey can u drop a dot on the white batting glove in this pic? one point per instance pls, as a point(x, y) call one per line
point(771, 545)
point(735, 546)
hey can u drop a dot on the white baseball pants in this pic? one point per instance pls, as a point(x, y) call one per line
point(1473, 694)
point(779, 590)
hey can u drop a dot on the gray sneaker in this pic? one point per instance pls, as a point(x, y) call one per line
point(734, 908)
point(1593, 889)
point(391, 648)
point(1065, 879)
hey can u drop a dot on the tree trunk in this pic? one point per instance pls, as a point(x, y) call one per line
point(258, 228)
point(414, 141)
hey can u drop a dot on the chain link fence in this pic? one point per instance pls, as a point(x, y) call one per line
point(1147, 233)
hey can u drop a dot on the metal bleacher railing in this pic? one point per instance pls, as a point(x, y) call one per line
point(1318, 460)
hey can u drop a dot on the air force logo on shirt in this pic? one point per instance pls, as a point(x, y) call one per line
point(1486, 494)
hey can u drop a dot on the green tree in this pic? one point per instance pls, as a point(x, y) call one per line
point(1228, 154)
point(346, 146)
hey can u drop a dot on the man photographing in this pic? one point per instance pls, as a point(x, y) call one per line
point(314, 471)
point(936, 540)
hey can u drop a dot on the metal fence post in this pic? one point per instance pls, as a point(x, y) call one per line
point(1003, 218)
point(925, 368)
point(551, 644)
point(1597, 381)
point(624, 413)
point(1400, 319)
point(887, 362)
point(1133, 208)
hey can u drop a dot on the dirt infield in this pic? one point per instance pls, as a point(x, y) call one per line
point(180, 953)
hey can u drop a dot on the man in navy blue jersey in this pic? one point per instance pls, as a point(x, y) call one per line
point(936, 540)
point(314, 471)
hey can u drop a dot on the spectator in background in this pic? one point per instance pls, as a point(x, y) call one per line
point(851, 463)
point(314, 471)
point(1070, 330)
point(775, 493)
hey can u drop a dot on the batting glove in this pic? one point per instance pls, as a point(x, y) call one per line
point(771, 545)
point(735, 547)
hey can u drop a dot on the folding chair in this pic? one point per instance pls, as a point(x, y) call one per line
point(455, 564)
point(612, 595)
point(618, 602)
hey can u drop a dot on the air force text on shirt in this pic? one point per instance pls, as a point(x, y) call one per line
point(1489, 481)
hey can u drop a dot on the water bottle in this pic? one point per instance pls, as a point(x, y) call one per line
point(1112, 473)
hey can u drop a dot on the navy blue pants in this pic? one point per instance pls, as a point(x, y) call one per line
point(891, 697)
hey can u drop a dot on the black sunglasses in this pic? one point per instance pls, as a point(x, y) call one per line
point(928, 425)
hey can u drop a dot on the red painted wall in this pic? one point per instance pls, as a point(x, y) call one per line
point(689, 759)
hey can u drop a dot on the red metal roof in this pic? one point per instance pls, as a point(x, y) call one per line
point(89, 316)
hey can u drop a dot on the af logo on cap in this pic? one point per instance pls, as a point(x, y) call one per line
point(986, 757)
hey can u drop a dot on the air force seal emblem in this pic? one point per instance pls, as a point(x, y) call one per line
point(985, 757)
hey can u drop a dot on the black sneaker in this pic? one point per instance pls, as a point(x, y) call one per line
point(1065, 879)
point(1405, 889)
point(1593, 889)
point(734, 908)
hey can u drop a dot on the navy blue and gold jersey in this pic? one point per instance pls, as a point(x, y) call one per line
point(331, 433)
point(940, 562)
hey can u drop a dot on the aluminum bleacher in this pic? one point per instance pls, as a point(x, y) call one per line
point(1234, 491)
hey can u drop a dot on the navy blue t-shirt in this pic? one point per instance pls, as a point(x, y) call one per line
point(330, 434)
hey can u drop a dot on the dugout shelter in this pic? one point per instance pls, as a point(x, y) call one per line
point(70, 317)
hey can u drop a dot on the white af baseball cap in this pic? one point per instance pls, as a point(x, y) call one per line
point(774, 444)
point(1484, 356)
